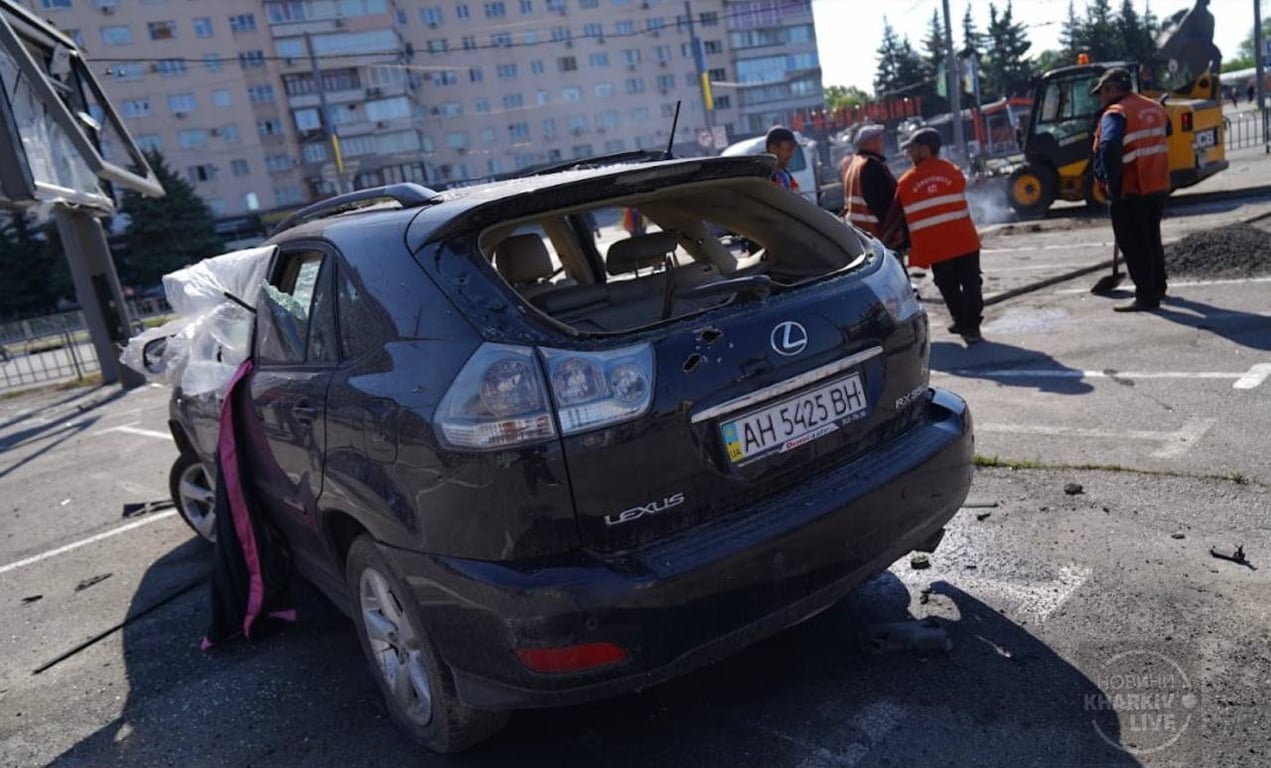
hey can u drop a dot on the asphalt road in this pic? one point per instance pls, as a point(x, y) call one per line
point(1087, 629)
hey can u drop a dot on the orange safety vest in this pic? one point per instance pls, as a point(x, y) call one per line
point(857, 210)
point(933, 197)
point(1145, 146)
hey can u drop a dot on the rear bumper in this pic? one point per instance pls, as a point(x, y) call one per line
point(700, 595)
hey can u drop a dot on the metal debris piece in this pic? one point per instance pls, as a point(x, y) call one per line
point(1072, 489)
point(1178, 535)
point(91, 580)
point(136, 509)
point(979, 504)
point(924, 596)
point(982, 516)
point(919, 561)
point(1226, 553)
point(32, 598)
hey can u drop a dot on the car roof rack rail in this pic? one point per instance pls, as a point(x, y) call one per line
point(406, 195)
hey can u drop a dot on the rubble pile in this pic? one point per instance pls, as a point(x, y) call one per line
point(1237, 250)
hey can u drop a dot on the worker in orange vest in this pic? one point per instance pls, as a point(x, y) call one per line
point(931, 202)
point(1131, 161)
point(868, 186)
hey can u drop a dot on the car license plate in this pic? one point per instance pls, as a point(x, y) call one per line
point(795, 421)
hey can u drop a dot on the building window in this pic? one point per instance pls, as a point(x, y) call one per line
point(607, 119)
point(501, 40)
point(495, 10)
point(269, 127)
point(598, 60)
point(718, 74)
point(182, 103)
point(437, 46)
point(239, 167)
point(125, 73)
point(560, 34)
point(162, 30)
point(276, 163)
point(655, 24)
point(149, 141)
point(135, 107)
point(586, 4)
point(708, 18)
point(713, 46)
point(212, 62)
point(461, 11)
point(450, 109)
point(203, 27)
point(614, 146)
point(632, 57)
point(567, 64)
point(251, 59)
point(204, 172)
point(604, 90)
point(662, 53)
point(242, 22)
point(289, 195)
point(583, 150)
point(549, 128)
point(432, 15)
point(118, 35)
point(577, 123)
point(513, 101)
point(665, 82)
point(506, 71)
point(316, 152)
point(527, 6)
point(537, 67)
point(194, 138)
point(457, 140)
point(519, 132)
point(639, 114)
point(259, 94)
point(403, 18)
point(449, 77)
point(481, 106)
point(169, 67)
point(625, 28)
point(229, 133)
point(556, 6)
point(544, 98)
point(572, 95)
point(476, 74)
point(723, 102)
point(487, 136)
point(57, 5)
point(593, 30)
point(634, 85)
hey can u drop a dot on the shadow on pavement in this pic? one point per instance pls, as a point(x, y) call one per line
point(1243, 328)
point(1009, 366)
point(810, 696)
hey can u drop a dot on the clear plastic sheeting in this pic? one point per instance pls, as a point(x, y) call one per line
point(212, 334)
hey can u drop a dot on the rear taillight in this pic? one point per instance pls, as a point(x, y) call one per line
point(573, 658)
point(500, 398)
point(891, 285)
point(599, 389)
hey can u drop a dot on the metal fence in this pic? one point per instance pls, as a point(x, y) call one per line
point(1247, 129)
point(57, 348)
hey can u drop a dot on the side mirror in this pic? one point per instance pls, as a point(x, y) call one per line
point(152, 354)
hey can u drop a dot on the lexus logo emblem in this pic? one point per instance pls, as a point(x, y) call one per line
point(789, 338)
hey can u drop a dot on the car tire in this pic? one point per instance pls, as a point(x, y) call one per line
point(194, 495)
point(418, 687)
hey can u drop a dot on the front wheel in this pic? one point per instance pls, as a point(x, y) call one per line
point(194, 495)
point(417, 685)
point(1031, 190)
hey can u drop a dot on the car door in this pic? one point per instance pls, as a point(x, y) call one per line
point(296, 354)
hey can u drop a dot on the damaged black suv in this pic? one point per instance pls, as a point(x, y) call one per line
point(561, 437)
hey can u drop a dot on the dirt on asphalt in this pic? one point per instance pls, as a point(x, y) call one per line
point(1237, 250)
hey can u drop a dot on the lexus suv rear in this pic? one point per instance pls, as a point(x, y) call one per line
point(562, 437)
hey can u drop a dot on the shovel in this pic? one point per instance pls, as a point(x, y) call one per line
point(1108, 283)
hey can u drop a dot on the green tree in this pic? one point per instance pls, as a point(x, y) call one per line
point(972, 38)
point(1006, 71)
point(1246, 47)
point(837, 96)
point(1072, 35)
point(933, 59)
point(886, 77)
point(1102, 38)
point(33, 272)
point(169, 232)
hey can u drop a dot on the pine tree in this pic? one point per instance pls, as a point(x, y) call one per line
point(911, 71)
point(1006, 71)
point(885, 79)
point(1072, 36)
point(169, 232)
point(1103, 39)
point(972, 38)
point(33, 272)
point(933, 59)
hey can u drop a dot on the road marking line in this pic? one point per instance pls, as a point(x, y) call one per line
point(1072, 373)
point(131, 430)
point(1035, 600)
point(85, 542)
point(1173, 444)
point(1192, 284)
point(1256, 375)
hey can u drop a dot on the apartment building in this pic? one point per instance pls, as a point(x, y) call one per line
point(438, 93)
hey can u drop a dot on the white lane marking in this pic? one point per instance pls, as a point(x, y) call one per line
point(1256, 375)
point(131, 430)
point(85, 542)
point(1189, 284)
point(1249, 379)
point(1173, 444)
point(1035, 600)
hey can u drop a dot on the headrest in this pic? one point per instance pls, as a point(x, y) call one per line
point(523, 259)
point(638, 252)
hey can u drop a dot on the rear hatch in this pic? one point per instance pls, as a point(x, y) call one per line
point(743, 396)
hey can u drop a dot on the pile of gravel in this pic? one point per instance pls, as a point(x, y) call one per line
point(1237, 250)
